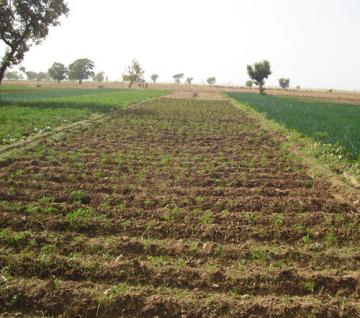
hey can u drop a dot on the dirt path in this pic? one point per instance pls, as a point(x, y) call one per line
point(177, 208)
point(198, 95)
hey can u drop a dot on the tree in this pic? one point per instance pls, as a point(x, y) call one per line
point(81, 69)
point(284, 83)
point(99, 77)
point(42, 76)
point(24, 23)
point(258, 73)
point(58, 72)
point(154, 78)
point(211, 81)
point(249, 84)
point(178, 77)
point(13, 76)
point(135, 73)
point(189, 80)
point(31, 76)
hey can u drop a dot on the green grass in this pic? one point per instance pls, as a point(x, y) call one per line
point(38, 110)
point(325, 122)
point(12, 94)
point(12, 87)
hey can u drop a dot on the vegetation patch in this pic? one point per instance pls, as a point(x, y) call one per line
point(325, 122)
point(27, 112)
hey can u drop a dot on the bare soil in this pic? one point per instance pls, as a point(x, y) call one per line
point(177, 208)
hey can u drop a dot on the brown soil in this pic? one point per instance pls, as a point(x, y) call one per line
point(177, 208)
point(198, 94)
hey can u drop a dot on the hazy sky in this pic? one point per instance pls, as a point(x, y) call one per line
point(314, 42)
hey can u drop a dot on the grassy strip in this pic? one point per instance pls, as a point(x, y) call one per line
point(320, 161)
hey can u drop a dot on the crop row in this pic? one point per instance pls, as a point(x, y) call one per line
point(325, 122)
point(173, 208)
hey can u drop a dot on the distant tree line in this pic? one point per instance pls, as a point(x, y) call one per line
point(83, 69)
point(14, 76)
point(37, 76)
point(26, 23)
point(79, 70)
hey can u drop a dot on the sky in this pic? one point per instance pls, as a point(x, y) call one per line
point(313, 42)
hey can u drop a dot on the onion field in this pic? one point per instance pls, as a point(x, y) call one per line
point(325, 122)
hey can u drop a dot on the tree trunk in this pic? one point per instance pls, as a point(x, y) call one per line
point(131, 84)
point(9, 56)
point(261, 89)
point(5, 65)
point(80, 81)
point(58, 82)
point(2, 73)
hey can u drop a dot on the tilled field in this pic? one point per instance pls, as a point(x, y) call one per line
point(177, 208)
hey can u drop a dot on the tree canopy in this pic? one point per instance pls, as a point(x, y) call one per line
point(178, 77)
point(154, 78)
point(284, 82)
point(58, 72)
point(13, 76)
point(42, 76)
point(258, 73)
point(189, 80)
point(24, 23)
point(99, 77)
point(134, 74)
point(81, 69)
point(211, 81)
point(249, 83)
point(31, 76)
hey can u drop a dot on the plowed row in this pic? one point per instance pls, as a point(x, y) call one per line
point(177, 208)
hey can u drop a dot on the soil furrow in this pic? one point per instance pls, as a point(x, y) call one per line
point(178, 208)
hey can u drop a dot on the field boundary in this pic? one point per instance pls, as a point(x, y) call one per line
point(344, 187)
point(7, 150)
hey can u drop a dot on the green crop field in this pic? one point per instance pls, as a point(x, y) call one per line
point(24, 95)
point(25, 112)
point(13, 87)
point(325, 122)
